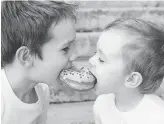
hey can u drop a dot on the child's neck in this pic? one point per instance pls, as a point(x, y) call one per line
point(128, 100)
point(22, 87)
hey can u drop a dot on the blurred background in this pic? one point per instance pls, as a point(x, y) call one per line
point(93, 16)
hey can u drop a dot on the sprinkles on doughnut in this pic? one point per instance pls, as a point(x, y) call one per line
point(78, 80)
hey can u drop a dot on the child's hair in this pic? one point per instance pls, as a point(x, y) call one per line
point(146, 54)
point(26, 23)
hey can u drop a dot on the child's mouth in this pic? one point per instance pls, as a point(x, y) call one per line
point(92, 71)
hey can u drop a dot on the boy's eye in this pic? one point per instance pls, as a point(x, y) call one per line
point(65, 49)
point(101, 60)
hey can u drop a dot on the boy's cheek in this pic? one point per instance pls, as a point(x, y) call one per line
point(68, 65)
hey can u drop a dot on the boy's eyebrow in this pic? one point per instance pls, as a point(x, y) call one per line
point(68, 42)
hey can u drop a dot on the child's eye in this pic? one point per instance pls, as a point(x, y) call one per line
point(101, 60)
point(65, 49)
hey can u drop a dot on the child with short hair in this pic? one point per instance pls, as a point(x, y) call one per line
point(37, 41)
point(129, 67)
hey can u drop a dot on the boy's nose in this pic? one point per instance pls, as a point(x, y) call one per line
point(73, 54)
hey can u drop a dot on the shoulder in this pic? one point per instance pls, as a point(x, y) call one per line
point(154, 108)
point(155, 100)
point(154, 104)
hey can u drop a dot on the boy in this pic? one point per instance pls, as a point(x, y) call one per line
point(129, 66)
point(37, 41)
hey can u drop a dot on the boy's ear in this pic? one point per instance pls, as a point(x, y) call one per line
point(133, 80)
point(24, 57)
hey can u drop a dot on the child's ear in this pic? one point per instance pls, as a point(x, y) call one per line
point(133, 80)
point(24, 57)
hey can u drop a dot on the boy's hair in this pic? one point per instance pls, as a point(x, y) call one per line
point(26, 23)
point(146, 54)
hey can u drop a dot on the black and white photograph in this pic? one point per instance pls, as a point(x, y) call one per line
point(82, 62)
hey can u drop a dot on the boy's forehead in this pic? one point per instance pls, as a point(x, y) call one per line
point(63, 28)
point(63, 31)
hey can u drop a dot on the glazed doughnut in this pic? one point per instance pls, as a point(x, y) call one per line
point(79, 80)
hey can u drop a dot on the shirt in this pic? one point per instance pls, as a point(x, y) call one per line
point(149, 111)
point(14, 111)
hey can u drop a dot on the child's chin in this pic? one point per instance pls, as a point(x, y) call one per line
point(99, 91)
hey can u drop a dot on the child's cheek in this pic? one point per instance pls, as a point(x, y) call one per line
point(100, 71)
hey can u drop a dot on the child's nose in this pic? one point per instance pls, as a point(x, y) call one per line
point(92, 60)
point(69, 65)
point(73, 57)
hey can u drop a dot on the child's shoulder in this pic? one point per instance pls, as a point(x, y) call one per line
point(154, 103)
point(155, 99)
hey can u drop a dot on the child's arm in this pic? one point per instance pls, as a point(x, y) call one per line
point(43, 117)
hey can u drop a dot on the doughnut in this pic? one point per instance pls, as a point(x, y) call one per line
point(78, 80)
